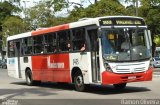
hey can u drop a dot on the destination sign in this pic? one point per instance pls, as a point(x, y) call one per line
point(121, 21)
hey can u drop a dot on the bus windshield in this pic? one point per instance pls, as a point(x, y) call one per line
point(125, 44)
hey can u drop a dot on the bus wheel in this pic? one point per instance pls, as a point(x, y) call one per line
point(79, 82)
point(120, 86)
point(29, 79)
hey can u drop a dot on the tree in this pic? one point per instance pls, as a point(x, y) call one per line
point(101, 8)
point(157, 40)
point(17, 22)
point(150, 11)
point(47, 17)
point(7, 9)
point(13, 25)
point(39, 16)
point(132, 9)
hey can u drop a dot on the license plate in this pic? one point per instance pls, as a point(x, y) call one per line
point(132, 77)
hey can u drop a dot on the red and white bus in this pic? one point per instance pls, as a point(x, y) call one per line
point(104, 50)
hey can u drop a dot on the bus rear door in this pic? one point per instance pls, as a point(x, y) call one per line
point(17, 54)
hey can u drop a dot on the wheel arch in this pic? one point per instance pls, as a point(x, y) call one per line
point(75, 70)
point(27, 68)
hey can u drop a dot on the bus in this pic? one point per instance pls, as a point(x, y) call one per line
point(89, 51)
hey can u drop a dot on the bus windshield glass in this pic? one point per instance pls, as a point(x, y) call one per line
point(125, 44)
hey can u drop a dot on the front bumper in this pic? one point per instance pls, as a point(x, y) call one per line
point(113, 78)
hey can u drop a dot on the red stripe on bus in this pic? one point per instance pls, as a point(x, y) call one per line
point(54, 68)
point(51, 29)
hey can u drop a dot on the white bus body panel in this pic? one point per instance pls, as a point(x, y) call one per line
point(12, 66)
point(24, 66)
point(19, 36)
point(83, 62)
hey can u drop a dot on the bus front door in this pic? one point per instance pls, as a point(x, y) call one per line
point(93, 44)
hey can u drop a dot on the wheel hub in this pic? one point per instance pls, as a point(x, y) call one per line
point(79, 81)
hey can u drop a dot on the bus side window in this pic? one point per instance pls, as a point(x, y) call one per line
point(27, 46)
point(78, 39)
point(38, 44)
point(11, 49)
point(50, 43)
point(64, 41)
point(23, 47)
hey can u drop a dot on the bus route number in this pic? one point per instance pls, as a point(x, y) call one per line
point(105, 22)
point(75, 62)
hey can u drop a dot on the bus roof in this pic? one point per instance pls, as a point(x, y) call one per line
point(51, 29)
point(81, 23)
point(18, 36)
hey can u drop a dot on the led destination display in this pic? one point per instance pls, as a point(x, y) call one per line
point(121, 21)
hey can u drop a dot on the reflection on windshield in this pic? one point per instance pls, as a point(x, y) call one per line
point(124, 44)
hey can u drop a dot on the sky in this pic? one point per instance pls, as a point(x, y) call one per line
point(30, 3)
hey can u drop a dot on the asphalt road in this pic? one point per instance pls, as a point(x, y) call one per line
point(16, 92)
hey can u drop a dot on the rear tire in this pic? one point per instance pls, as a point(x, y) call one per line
point(79, 82)
point(29, 79)
point(120, 86)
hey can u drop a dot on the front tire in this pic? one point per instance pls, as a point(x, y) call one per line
point(120, 86)
point(79, 82)
point(29, 79)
